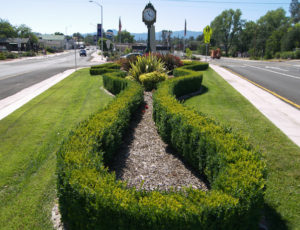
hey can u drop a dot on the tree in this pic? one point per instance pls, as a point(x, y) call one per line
point(89, 39)
point(58, 33)
point(291, 39)
point(7, 30)
point(247, 38)
point(226, 27)
point(78, 36)
point(295, 11)
point(126, 37)
point(105, 48)
point(267, 24)
point(24, 31)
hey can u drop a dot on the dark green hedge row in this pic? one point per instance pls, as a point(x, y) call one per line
point(190, 68)
point(113, 83)
point(232, 166)
point(104, 68)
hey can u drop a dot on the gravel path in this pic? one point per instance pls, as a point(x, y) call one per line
point(146, 162)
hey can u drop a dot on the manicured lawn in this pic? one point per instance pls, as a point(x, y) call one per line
point(282, 199)
point(29, 139)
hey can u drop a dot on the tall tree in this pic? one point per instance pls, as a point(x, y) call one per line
point(295, 11)
point(126, 37)
point(7, 30)
point(58, 33)
point(226, 27)
point(78, 36)
point(267, 24)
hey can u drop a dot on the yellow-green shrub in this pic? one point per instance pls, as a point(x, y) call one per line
point(90, 197)
point(150, 80)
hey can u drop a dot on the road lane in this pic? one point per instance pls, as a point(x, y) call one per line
point(282, 78)
point(15, 76)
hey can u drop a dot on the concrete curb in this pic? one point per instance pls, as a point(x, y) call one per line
point(281, 114)
point(12, 103)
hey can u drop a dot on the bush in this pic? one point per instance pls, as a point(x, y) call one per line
point(146, 64)
point(50, 50)
point(150, 80)
point(190, 67)
point(10, 55)
point(2, 56)
point(171, 61)
point(105, 68)
point(29, 54)
point(90, 197)
point(125, 63)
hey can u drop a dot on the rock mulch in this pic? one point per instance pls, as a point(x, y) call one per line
point(146, 162)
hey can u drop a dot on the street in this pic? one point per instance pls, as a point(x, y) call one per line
point(18, 75)
point(282, 78)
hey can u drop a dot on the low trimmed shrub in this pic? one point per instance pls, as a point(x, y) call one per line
point(190, 68)
point(104, 68)
point(2, 56)
point(90, 197)
point(232, 166)
point(150, 80)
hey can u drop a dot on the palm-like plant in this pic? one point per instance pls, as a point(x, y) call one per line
point(146, 64)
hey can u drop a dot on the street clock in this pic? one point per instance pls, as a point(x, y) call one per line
point(149, 18)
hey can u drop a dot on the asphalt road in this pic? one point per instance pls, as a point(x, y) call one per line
point(282, 78)
point(20, 74)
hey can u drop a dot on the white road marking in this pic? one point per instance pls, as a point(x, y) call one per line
point(271, 67)
point(284, 74)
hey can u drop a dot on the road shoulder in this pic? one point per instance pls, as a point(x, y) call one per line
point(283, 115)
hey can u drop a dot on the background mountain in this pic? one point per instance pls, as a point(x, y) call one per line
point(143, 36)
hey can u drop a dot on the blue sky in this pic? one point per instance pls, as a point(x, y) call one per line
point(69, 16)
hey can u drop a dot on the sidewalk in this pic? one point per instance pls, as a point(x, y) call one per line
point(283, 115)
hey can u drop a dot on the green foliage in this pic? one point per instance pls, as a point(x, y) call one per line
point(188, 53)
point(231, 165)
point(291, 39)
point(150, 80)
point(146, 64)
point(105, 48)
point(127, 50)
point(126, 37)
point(2, 56)
point(7, 30)
point(170, 61)
point(91, 198)
point(126, 62)
point(105, 68)
point(189, 68)
point(226, 28)
point(295, 11)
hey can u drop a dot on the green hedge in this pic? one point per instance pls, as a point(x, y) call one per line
point(90, 197)
point(104, 68)
point(232, 166)
point(190, 68)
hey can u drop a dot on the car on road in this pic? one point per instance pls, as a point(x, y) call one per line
point(131, 55)
point(82, 52)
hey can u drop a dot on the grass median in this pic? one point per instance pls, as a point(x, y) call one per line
point(30, 138)
point(220, 101)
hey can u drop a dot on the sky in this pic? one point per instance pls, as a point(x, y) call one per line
point(69, 16)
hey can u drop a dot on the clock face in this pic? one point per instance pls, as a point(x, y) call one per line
point(149, 14)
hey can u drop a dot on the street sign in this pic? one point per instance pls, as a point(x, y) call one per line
point(99, 30)
point(109, 34)
point(207, 34)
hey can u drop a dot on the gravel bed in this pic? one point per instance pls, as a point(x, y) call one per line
point(146, 162)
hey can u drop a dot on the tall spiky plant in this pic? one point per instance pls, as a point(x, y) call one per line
point(146, 64)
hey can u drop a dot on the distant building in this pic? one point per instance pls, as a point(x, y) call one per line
point(57, 42)
point(15, 44)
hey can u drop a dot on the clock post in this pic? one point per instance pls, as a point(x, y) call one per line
point(149, 18)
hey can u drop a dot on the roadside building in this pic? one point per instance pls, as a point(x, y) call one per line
point(15, 44)
point(56, 42)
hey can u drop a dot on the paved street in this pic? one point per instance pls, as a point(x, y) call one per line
point(283, 78)
point(18, 75)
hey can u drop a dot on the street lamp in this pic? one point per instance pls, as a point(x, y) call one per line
point(101, 24)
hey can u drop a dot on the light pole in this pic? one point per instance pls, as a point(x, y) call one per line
point(101, 24)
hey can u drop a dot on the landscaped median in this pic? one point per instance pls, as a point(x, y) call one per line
point(91, 197)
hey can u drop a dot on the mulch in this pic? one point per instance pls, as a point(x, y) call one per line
point(146, 162)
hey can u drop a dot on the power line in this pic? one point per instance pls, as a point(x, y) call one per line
point(220, 2)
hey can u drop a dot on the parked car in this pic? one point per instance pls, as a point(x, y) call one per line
point(131, 55)
point(82, 53)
